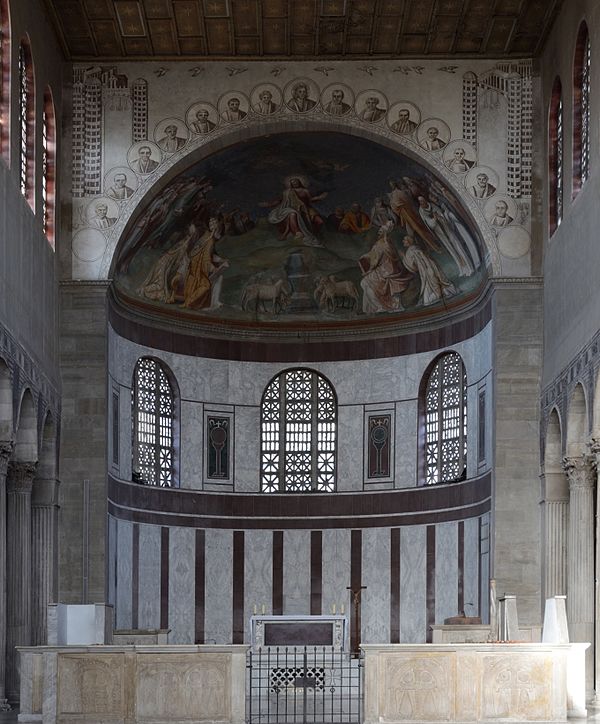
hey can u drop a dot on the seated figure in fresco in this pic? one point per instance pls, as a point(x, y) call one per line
point(295, 215)
point(355, 221)
point(204, 278)
point(384, 277)
point(434, 283)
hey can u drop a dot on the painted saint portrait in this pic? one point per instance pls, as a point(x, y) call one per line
point(301, 227)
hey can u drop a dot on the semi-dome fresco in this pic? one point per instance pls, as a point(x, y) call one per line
point(308, 228)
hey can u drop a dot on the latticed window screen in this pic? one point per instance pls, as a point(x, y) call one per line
point(153, 415)
point(585, 113)
point(298, 434)
point(559, 161)
point(24, 91)
point(446, 421)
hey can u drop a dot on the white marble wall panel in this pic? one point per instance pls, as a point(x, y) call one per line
point(111, 563)
point(375, 611)
point(336, 569)
point(149, 577)
point(182, 578)
point(406, 444)
point(123, 589)
point(446, 571)
point(242, 383)
point(350, 460)
point(484, 582)
point(258, 574)
point(191, 445)
point(296, 571)
point(218, 582)
point(473, 430)
point(247, 449)
point(471, 567)
point(413, 584)
point(124, 431)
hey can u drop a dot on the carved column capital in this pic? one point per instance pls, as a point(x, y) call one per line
point(6, 448)
point(20, 477)
point(594, 445)
point(580, 471)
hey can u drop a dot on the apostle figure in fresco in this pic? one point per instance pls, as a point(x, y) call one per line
point(170, 270)
point(433, 218)
point(459, 163)
point(482, 188)
point(171, 142)
point(403, 206)
point(101, 220)
point(372, 112)
point(355, 221)
point(119, 189)
point(202, 124)
point(266, 106)
point(300, 102)
point(384, 277)
point(233, 113)
point(295, 215)
point(501, 217)
point(144, 163)
point(337, 106)
point(403, 125)
point(433, 142)
point(202, 287)
point(434, 284)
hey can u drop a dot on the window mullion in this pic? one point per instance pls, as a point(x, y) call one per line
point(282, 433)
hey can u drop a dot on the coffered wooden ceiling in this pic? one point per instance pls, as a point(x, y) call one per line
point(198, 29)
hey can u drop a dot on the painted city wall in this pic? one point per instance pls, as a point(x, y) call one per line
point(468, 125)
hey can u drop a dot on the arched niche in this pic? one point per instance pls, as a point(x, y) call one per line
point(577, 423)
point(555, 481)
point(26, 439)
point(296, 242)
point(48, 450)
point(6, 403)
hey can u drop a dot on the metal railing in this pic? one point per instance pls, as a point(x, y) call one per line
point(303, 684)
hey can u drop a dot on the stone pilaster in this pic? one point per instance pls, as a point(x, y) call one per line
point(44, 554)
point(5, 453)
point(580, 556)
point(18, 568)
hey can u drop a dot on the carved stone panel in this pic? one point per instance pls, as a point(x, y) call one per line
point(91, 686)
point(519, 687)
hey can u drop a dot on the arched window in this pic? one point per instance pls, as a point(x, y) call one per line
point(27, 123)
point(48, 166)
point(581, 109)
point(444, 412)
point(298, 434)
point(153, 417)
point(555, 156)
point(4, 79)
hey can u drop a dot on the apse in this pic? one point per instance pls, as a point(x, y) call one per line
point(306, 229)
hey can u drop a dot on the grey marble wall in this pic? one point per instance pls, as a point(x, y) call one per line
point(149, 577)
point(375, 610)
point(296, 566)
point(124, 548)
point(182, 556)
point(258, 578)
point(413, 584)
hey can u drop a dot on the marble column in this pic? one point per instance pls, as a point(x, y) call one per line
point(44, 554)
point(5, 453)
point(580, 556)
point(556, 526)
point(595, 450)
point(19, 483)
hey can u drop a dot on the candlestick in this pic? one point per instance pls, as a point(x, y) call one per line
point(263, 609)
point(342, 609)
point(333, 609)
point(254, 609)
